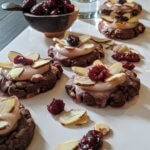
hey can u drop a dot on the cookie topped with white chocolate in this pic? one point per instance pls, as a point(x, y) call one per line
point(26, 76)
point(77, 50)
point(16, 124)
point(121, 19)
point(101, 85)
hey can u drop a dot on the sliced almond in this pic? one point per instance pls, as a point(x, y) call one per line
point(6, 65)
point(101, 40)
point(69, 117)
point(117, 78)
point(6, 106)
point(133, 20)
point(107, 18)
point(87, 46)
point(129, 4)
point(115, 68)
point(68, 145)
point(84, 38)
point(102, 127)
point(15, 72)
point(128, 15)
point(12, 55)
point(121, 48)
point(3, 124)
point(130, 1)
point(40, 63)
point(113, 1)
point(80, 70)
point(83, 80)
point(84, 120)
point(97, 62)
point(34, 56)
point(61, 42)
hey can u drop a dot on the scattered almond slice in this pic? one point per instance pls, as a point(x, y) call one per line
point(84, 38)
point(61, 42)
point(15, 72)
point(12, 55)
point(130, 1)
point(68, 145)
point(69, 117)
point(115, 68)
point(6, 65)
point(80, 70)
point(101, 40)
point(117, 78)
point(83, 80)
point(40, 63)
point(97, 62)
point(107, 18)
point(33, 56)
point(87, 46)
point(6, 106)
point(3, 124)
point(102, 127)
point(84, 120)
point(121, 48)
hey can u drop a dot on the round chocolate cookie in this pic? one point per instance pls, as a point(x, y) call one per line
point(28, 88)
point(132, 8)
point(115, 97)
point(84, 60)
point(121, 34)
point(21, 136)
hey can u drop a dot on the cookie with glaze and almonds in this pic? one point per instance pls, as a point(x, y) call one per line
point(26, 76)
point(16, 125)
point(120, 19)
point(101, 85)
point(76, 50)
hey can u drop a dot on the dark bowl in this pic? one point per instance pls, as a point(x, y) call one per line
point(51, 26)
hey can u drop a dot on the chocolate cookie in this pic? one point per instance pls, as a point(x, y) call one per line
point(86, 59)
point(121, 34)
point(101, 86)
point(20, 137)
point(133, 8)
point(83, 61)
point(33, 79)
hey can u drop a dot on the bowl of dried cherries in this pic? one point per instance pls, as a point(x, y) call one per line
point(52, 17)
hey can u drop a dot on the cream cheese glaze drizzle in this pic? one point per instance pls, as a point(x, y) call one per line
point(12, 119)
point(74, 52)
point(29, 72)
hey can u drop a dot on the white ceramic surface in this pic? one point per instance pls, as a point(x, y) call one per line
point(130, 124)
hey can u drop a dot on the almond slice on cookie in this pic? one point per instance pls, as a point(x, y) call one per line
point(6, 65)
point(15, 72)
point(80, 70)
point(12, 55)
point(83, 80)
point(115, 68)
point(33, 56)
point(3, 124)
point(6, 106)
point(40, 63)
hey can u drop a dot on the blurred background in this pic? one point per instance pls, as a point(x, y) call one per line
point(12, 23)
